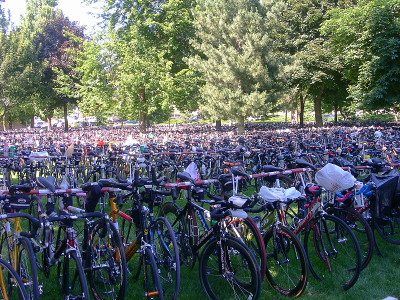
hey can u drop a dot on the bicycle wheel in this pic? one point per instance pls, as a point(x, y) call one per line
point(361, 229)
point(26, 267)
point(333, 251)
point(72, 277)
point(11, 285)
point(105, 262)
point(247, 232)
point(228, 270)
point(170, 211)
point(287, 269)
point(166, 252)
point(149, 275)
point(389, 228)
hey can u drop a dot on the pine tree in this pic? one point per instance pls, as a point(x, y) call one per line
point(236, 59)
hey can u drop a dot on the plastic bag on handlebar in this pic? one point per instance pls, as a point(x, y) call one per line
point(281, 194)
point(333, 178)
point(93, 194)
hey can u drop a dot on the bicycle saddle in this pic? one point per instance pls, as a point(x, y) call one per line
point(185, 177)
point(302, 163)
point(24, 188)
point(49, 183)
point(239, 172)
point(269, 168)
point(114, 183)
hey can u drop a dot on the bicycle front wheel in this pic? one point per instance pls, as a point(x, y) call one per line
point(166, 252)
point(287, 269)
point(11, 285)
point(26, 267)
point(247, 232)
point(72, 277)
point(105, 262)
point(228, 270)
point(361, 229)
point(333, 251)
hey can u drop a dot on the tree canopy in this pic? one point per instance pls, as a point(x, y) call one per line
point(228, 59)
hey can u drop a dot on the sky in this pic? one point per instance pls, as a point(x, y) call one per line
point(73, 9)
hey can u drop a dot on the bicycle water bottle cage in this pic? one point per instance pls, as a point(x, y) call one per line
point(48, 183)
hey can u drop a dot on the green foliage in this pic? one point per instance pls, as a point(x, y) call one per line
point(236, 59)
point(367, 38)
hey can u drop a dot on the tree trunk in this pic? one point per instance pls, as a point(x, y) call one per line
point(286, 115)
point(241, 125)
point(143, 121)
point(301, 110)
point(143, 113)
point(293, 116)
point(218, 125)
point(33, 121)
point(318, 107)
point(66, 116)
point(336, 114)
point(3, 118)
point(49, 123)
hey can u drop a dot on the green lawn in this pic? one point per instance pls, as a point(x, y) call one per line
point(379, 280)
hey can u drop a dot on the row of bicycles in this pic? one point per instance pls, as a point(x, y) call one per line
point(243, 216)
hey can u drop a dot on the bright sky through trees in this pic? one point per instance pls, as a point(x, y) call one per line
point(73, 9)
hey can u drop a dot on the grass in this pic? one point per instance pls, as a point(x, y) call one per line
point(379, 280)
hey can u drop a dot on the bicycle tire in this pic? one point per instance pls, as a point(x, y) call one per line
point(287, 269)
point(166, 252)
point(72, 277)
point(361, 229)
point(151, 279)
point(247, 231)
point(185, 240)
point(26, 267)
point(242, 277)
point(11, 285)
point(331, 237)
point(105, 262)
point(389, 228)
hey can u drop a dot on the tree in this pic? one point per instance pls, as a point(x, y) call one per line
point(236, 59)
point(312, 67)
point(367, 39)
point(58, 43)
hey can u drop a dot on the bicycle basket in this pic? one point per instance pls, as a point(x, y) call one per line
point(386, 187)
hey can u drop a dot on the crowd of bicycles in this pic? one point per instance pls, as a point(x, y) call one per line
point(265, 210)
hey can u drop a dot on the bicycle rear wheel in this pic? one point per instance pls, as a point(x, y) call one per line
point(333, 251)
point(287, 269)
point(389, 228)
point(228, 270)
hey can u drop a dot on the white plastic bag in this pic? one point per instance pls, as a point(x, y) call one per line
point(281, 194)
point(193, 171)
point(38, 156)
point(333, 178)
